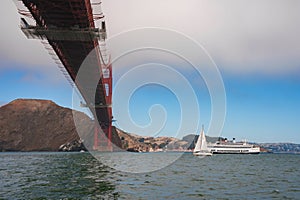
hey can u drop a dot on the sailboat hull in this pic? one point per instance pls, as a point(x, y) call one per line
point(199, 153)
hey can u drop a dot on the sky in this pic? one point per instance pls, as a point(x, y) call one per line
point(233, 66)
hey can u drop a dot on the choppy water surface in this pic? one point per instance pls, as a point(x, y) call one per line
point(80, 176)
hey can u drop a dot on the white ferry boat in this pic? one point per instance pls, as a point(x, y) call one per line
point(233, 147)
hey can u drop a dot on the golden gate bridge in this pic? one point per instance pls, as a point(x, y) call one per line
point(67, 29)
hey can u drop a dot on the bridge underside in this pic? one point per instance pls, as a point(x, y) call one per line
point(76, 16)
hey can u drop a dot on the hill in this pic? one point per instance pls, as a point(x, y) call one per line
point(42, 125)
point(136, 143)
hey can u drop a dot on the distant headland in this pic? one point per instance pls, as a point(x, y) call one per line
point(42, 125)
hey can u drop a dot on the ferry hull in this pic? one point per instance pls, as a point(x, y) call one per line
point(219, 152)
point(234, 149)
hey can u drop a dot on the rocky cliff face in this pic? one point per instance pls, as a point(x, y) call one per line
point(41, 125)
point(136, 143)
point(130, 142)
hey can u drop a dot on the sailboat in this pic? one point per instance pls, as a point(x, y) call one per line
point(201, 146)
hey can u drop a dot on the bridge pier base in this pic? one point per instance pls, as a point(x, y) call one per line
point(103, 139)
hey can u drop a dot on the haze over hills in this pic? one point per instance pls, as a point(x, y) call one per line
point(42, 125)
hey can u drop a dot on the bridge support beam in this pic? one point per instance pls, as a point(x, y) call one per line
point(103, 130)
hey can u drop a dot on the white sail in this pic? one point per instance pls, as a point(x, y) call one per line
point(201, 142)
point(201, 145)
point(198, 144)
point(204, 143)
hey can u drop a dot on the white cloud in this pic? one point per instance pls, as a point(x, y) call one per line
point(14, 44)
point(17, 52)
point(241, 35)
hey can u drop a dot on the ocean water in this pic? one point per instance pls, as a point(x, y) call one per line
point(81, 176)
